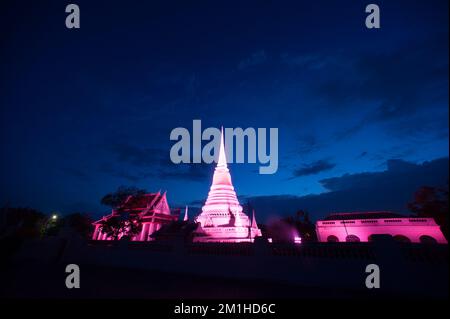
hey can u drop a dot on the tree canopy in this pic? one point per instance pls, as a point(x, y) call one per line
point(117, 197)
point(124, 226)
point(81, 223)
point(432, 202)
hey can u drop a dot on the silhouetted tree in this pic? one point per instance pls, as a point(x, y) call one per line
point(81, 223)
point(281, 230)
point(51, 226)
point(124, 225)
point(117, 197)
point(21, 222)
point(432, 202)
point(300, 214)
point(305, 227)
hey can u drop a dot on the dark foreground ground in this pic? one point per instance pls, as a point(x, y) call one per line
point(48, 281)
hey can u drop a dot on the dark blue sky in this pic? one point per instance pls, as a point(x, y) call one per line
point(84, 111)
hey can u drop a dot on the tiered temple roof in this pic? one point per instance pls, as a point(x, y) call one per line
point(152, 208)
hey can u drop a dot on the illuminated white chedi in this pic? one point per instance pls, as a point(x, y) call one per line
point(222, 219)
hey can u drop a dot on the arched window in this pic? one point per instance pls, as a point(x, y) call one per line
point(332, 239)
point(402, 239)
point(425, 239)
point(352, 239)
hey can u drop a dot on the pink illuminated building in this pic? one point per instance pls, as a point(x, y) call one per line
point(355, 227)
point(153, 210)
point(222, 218)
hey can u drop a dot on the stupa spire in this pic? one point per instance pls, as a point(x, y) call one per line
point(222, 161)
point(186, 217)
point(254, 224)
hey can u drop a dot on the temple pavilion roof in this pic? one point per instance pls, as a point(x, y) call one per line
point(141, 202)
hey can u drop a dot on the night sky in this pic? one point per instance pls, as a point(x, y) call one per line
point(362, 114)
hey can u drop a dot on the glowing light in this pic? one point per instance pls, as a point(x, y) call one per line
point(54, 217)
point(297, 240)
point(269, 240)
point(222, 218)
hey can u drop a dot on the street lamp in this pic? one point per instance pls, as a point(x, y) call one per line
point(49, 223)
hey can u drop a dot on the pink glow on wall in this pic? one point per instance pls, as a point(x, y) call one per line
point(222, 219)
point(406, 229)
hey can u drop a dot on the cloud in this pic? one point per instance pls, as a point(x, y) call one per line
point(144, 162)
point(400, 81)
point(313, 168)
point(76, 173)
point(197, 172)
point(309, 61)
point(410, 78)
point(187, 172)
point(388, 190)
point(402, 89)
point(308, 144)
point(256, 58)
point(83, 207)
point(363, 154)
point(121, 173)
point(135, 155)
point(398, 172)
